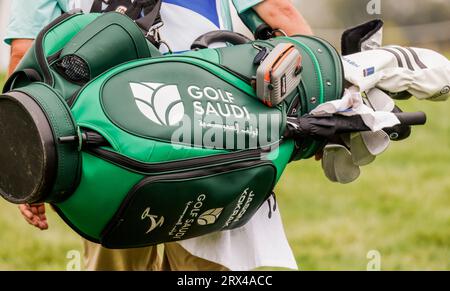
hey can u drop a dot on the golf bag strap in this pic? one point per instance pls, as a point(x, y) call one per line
point(151, 18)
point(147, 23)
point(28, 75)
point(127, 7)
point(97, 6)
point(134, 8)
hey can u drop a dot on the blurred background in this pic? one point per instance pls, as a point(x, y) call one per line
point(399, 208)
point(4, 49)
point(408, 22)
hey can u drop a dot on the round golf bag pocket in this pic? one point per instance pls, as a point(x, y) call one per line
point(35, 167)
point(179, 206)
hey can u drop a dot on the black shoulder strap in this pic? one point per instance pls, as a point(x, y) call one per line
point(29, 75)
point(97, 6)
point(151, 18)
point(151, 10)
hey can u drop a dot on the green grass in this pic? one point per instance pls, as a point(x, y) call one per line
point(399, 207)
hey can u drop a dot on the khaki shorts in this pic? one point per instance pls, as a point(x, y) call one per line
point(167, 257)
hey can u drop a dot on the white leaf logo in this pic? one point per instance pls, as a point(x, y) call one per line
point(159, 102)
point(209, 216)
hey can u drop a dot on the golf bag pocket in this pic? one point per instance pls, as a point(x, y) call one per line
point(35, 166)
point(106, 42)
point(77, 47)
point(212, 199)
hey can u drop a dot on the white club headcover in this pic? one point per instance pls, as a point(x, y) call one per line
point(423, 73)
point(374, 41)
point(338, 165)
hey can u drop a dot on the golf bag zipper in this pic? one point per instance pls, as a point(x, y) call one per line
point(273, 208)
point(175, 166)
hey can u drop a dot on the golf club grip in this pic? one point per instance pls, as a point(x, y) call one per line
point(205, 40)
point(412, 118)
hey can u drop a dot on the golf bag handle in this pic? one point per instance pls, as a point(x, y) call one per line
point(205, 40)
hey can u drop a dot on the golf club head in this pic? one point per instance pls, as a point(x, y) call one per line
point(366, 146)
point(338, 165)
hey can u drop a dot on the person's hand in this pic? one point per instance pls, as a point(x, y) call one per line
point(319, 156)
point(19, 48)
point(34, 214)
point(282, 14)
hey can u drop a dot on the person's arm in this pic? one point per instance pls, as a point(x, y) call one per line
point(19, 48)
point(282, 14)
point(28, 17)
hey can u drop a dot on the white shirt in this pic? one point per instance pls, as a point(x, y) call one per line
point(184, 21)
point(262, 241)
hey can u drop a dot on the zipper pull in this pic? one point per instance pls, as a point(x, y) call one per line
point(275, 204)
point(261, 56)
point(270, 208)
point(84, 139)
point(274, 208)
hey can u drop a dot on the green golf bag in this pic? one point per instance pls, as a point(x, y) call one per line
point(133, 148)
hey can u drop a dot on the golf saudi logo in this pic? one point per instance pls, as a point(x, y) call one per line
point(210, 216)
point(160, 103)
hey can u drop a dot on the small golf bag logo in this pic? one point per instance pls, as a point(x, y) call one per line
point(210, 216)
point(159, 102)
point(155, 221)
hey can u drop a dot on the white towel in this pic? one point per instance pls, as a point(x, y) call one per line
point(352, 103)
point(261, 242)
